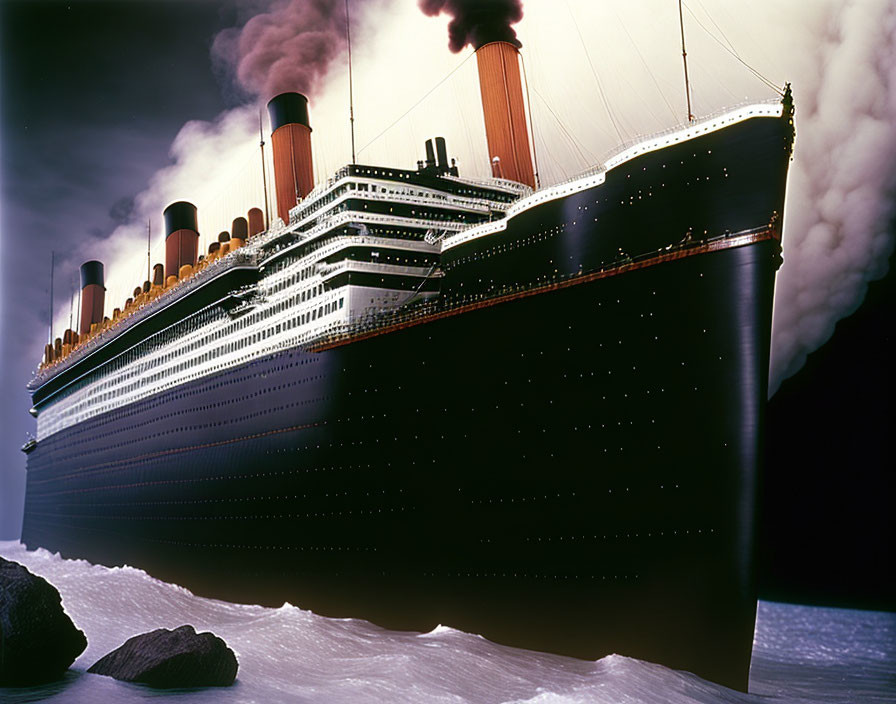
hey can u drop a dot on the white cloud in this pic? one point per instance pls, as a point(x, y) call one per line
point(840, 204)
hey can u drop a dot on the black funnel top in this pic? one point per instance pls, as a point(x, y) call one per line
point(240, 228)
point(288, 109)
point(91, 273)
point(442, 152)
point(180, 216)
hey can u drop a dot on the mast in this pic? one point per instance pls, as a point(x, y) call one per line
point(351, 99)
point(264, 178)
point(684, 57)
point(71, 309)
point(148, 246)
point(52, 271)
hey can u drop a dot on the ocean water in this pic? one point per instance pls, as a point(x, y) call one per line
point(801, 654)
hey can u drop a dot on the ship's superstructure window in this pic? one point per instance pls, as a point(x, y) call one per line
point(307, 289)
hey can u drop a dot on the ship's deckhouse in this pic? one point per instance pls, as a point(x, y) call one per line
point(366, 242)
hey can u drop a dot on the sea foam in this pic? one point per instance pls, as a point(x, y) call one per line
point(287, 654)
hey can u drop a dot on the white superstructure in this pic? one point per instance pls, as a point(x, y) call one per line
point(365, 243)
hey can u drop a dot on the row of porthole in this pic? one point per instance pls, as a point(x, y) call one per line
point(520, 242)
point(304, 470)
point(246, 517)
point(241, 399)
point(181, 430)
point(195, 502)
point(615, 536)
point(361, 442)
point(704, 330)
point(559, 495)
point(523, 499)
point(164, 399)
point(527, 575)
point(242, 417)
point(244, 546)
point(297, 449)
point(529, 240)
point(90, 427)
point(177, 334)
point(184, 327)
point(226, 348)
point(191, 480)
point(136, 356)
point(458, 299)
point(494, 289)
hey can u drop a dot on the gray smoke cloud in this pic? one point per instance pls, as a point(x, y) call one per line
point(838, 220)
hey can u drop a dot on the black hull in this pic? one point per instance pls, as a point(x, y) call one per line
point(591, 494)
point(566, 460)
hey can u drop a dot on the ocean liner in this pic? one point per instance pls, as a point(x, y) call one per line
point(419, 398)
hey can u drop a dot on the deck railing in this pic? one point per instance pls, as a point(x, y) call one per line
point(167, 297)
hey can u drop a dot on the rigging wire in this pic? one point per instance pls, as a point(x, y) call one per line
point(644, 63)
point(633, 89)
point(716, 25)
point(766, 81)
point(591, 159)
point(531, 123)
point(71, 309)
point(600, 87)
point(264, 179)
point(424, 97)
point(240, 183)
point(52, 273)
point(351, 99)
point(468, 133)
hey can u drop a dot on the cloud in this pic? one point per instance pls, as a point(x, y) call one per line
point(122, 209)
point(215, 165)
point(838, 219)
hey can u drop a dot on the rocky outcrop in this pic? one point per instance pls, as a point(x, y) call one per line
point(38, 641)
point(166, 659)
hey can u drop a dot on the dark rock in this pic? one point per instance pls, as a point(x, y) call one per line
point(166, 659)
point(38, 641)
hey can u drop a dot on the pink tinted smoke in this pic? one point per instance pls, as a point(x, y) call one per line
point(288, 48)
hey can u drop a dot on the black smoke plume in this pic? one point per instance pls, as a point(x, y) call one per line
point(477, 22)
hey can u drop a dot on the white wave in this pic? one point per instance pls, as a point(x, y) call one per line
point(288, 654)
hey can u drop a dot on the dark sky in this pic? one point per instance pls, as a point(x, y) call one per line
point(829, 528)
point(93, 94)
